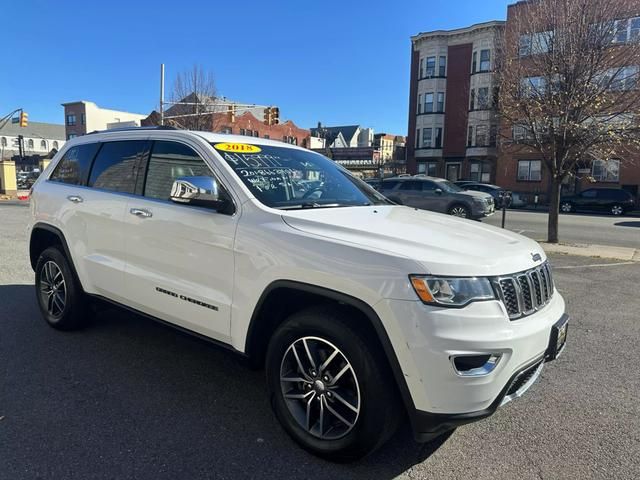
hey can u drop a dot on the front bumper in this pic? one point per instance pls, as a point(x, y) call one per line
point(441, 398)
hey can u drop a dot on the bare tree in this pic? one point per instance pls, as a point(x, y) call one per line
point(568, 82)
point(195, 91)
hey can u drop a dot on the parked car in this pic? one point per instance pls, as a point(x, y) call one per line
point(437, 195)
point(495, 191)
point(612, 200)
point(362, 312)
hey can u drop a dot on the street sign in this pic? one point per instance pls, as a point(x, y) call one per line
point(15, 120)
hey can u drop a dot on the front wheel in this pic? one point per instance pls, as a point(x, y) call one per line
point(566, 207)
point(617, 210)
point(330, 387)
point(459, 211)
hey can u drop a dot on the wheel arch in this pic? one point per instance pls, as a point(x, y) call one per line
point(44, 235)
point(270, 311)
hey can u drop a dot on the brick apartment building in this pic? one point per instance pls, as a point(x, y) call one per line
point(521, 169)
point(452, 120)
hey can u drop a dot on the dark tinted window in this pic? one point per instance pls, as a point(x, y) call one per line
point(389, 184)
point(73, 168)
point(589, 193)
point(115, 167)
point(171, 160)
point(428, 186)
point(619, 195)
point(411, 185)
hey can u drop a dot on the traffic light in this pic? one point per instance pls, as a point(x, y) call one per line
point(275, 116)
point(267, 116)
point(24, 119)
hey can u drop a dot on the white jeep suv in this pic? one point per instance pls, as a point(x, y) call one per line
point(362, 312)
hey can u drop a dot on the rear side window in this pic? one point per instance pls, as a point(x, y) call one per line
point(73, 168)
point(169, 161)
point(411, 185)
point(115, 167)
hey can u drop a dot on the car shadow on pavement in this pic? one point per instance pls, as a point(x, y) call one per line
point(627, 224)
point(128, 397)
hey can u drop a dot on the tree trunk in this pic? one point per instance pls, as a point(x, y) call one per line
point(554, 209)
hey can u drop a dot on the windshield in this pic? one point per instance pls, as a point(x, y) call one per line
point(447, 186)
point(288, 178)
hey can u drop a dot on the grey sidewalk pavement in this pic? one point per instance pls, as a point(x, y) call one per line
point(599, 251)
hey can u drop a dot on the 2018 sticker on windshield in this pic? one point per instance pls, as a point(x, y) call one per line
point(237, 147)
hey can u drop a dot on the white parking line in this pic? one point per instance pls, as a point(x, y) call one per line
point(565, 267)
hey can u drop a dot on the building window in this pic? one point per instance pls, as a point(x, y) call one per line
point(535, 44)
point(420, 103)
point(533, 86)
point(474, 62)
point(83, 119)
point(226, 130)
point(438, 137)
point(627, 30)
point(428, 102)
point(421, 72)
point(243, 131)
point(493, 135)
point(440, 105)
point(530, 170)
point(55, 144)
point(625, 78)
point(606, 170)
point(483, 98)
point(71, 120)
point(3, 142)
point(255, 133)
point(428, 168)
point(267, 136)
point(418, 138)
point(71, 135)
point(442, 66)
point(43, 145)
point(480, 172)
point(485, 60)
point(30, 144)
point(472, 100)
point(431, 67)
point(470, 137)
point(427, 134)
point(482, 136)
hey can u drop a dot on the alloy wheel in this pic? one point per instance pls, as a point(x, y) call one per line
point(53, 290)
point(320, 388)
point(616, 210)
point(565, 207)
point(459, 212)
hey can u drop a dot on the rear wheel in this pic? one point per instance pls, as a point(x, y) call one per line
point(459, 210)
point(59, 295)
point(566, 207)
point(617, 210)
point(330, 387)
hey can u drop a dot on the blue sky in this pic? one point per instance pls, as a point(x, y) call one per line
point(340, 62)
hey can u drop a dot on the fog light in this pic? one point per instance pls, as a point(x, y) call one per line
point(475, 365)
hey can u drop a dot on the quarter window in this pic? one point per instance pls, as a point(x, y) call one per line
point(530, 170)
point(169, 161)
point(73, 168)
point(115, 166)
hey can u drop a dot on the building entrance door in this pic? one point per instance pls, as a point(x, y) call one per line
point(453, 172)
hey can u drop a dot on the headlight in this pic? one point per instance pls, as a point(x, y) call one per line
point(479, 200)
point(454, 292)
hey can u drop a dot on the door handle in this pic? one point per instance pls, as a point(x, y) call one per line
point(141, 212)
point(74, 198)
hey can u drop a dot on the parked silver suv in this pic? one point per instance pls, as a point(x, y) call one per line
point(436, 194)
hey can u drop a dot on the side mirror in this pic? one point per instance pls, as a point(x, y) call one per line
point(199, 191)
point(438, 191)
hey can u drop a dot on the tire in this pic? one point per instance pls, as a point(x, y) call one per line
point(459, 210)
point(60, 298)
point(617, 210)
point(367, 386)
point(566, 207)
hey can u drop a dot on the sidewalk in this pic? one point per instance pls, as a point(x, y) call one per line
point(599, 251)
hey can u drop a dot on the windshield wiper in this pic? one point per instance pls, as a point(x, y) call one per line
point(304, 205)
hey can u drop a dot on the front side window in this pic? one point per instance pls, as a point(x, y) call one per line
point(289, 179)
point(169, 161)
point(115, 166)
point(431, 67)
point(71, 120)
point(606, 170)
point(426, 137)
point(485, 60)
point(530, 170)
point(73, 168)
point(428, 102)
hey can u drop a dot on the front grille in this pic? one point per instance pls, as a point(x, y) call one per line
point(525, 292)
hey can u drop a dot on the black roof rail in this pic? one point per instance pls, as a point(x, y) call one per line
point(127, 129)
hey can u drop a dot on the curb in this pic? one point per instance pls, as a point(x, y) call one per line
point(599, 251)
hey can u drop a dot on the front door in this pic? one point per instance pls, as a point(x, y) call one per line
point(180, 260)
point(453, 172)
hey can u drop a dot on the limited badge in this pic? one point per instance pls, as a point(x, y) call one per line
point(237, 148)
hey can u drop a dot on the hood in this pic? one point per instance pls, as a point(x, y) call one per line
point(475, 193)
point(441, 244)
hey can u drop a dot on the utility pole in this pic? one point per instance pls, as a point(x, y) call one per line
point(162, 94)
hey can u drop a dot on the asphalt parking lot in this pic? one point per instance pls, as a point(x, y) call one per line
point(130, 398)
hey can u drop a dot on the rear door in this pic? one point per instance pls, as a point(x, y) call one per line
point(180, 260)
point(587, 200)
